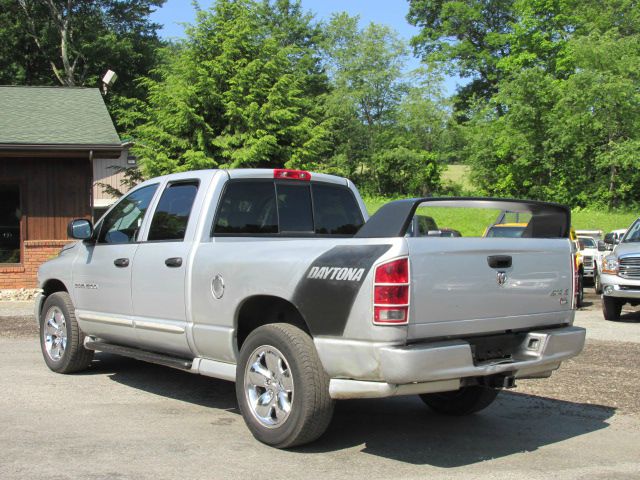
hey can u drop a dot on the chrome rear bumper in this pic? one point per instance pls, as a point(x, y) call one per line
point(442, 366)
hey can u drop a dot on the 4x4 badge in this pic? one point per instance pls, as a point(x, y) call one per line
point(502, 278)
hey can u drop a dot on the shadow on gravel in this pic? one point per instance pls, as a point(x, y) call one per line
point(400, 428)
point(629, 317)
point(404, 429)
point(166, 382)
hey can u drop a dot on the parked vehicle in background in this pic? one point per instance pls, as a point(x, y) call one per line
point(422, 226)
point(449, 232)
point(591, 257)
point(579, 265)
point(595, 234)
point(505, 230)
point(613, 238)
point(620, 274)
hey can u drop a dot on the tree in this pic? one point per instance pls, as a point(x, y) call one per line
point(369, 89)
point(73, 43)
point(564, 122)
point(468, 37)
point(243, 90)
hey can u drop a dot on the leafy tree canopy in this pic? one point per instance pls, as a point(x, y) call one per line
point(73, 42)
point(243, 90)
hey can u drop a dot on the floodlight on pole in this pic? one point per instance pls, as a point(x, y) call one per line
point(108, 80)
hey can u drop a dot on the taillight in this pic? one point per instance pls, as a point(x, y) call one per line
point(391, 293)
point(284, 173)
point(574, 296)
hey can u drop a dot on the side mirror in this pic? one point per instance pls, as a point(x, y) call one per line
point(608, 239)
point(602, 246)
point(80, 229)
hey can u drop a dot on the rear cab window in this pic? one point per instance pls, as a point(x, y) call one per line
point(287, 208)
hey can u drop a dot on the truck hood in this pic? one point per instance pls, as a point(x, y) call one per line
point(627, 248)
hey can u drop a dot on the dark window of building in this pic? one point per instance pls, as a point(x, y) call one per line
point(294, 208)
point(122, 224)
point(10, 215)
point(172, 214)
point(247, 208)
point(335, 210)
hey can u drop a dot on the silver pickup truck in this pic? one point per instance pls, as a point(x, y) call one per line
point(277, 280)
point(620, 272)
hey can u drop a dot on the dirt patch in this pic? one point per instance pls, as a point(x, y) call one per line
point(605, 373)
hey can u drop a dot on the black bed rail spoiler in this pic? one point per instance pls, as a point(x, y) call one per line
point(548, 220)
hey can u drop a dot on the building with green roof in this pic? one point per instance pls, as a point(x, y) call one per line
point(55, 144)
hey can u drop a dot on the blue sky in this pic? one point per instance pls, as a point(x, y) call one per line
point(388, 12)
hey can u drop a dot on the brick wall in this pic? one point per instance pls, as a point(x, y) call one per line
point(35, 252)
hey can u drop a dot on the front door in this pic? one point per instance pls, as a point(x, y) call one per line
point(102, 272)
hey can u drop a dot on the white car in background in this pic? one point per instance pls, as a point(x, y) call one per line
point(591, 258)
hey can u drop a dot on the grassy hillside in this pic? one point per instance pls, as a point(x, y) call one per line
point(458, 174)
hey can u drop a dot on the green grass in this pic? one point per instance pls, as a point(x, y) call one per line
point(458, 174)
point(473, 221)
point(602, 220)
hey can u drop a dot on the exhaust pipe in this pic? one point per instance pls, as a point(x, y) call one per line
point(499, 381)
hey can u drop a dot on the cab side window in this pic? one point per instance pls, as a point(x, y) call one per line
point(247, 207)
point(169, 222)
point(122, 224)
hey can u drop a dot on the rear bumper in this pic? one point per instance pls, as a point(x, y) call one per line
point(443, 366)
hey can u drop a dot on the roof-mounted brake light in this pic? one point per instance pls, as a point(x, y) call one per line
point(285, 173)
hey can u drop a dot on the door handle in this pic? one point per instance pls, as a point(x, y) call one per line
point(499, 261)
point(173, 262)
point(121, 262)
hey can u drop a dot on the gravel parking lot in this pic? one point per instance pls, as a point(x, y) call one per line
point(126, 419)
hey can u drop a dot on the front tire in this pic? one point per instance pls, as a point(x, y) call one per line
point(61, 340)
point(461, 402)
point(281, 386)
point(597, 285)
point(611, 308)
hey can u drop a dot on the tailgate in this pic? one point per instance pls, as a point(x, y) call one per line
point(462, 286)
point(473, 285)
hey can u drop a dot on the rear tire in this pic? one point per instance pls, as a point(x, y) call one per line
point(580, 294)
point(611, 308)
point(281, 386)
point(61, 340)
point(461, 402)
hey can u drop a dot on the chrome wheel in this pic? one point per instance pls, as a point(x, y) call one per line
point(268, 386)
point(55, 333)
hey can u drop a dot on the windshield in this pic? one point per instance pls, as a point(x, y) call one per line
point(633, 235)
point(586, 242)
point(509, 232)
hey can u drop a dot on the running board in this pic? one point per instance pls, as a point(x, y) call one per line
point(138, 354)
